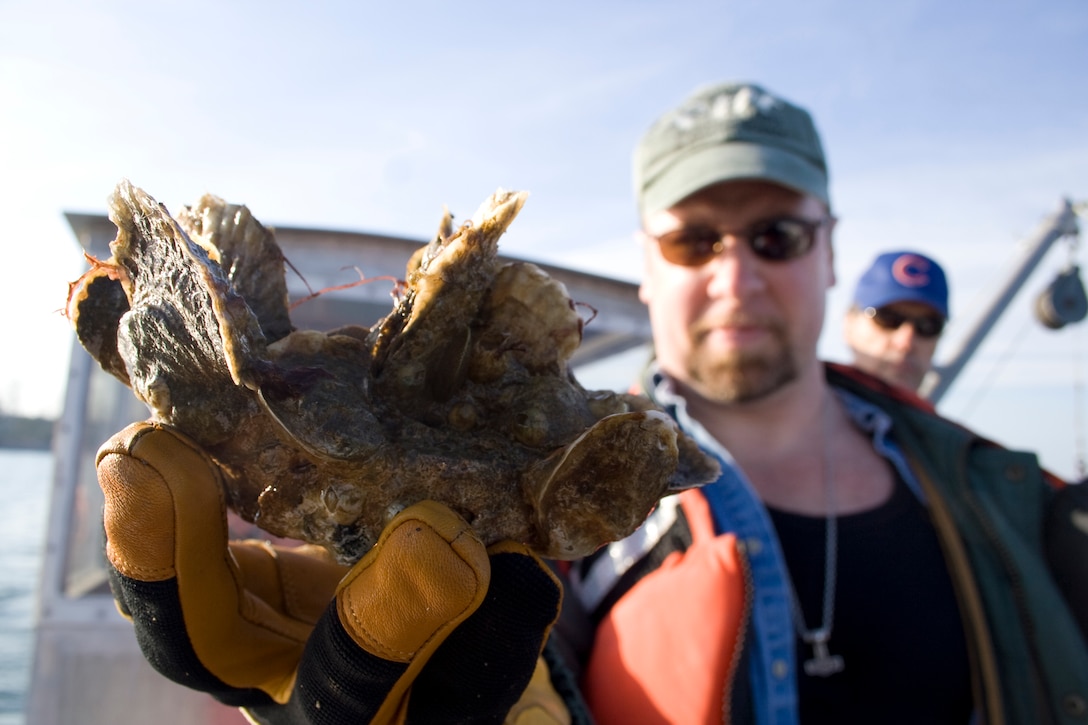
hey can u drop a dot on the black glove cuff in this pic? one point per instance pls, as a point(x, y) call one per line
point(155, 609)
point(338, 682)
point(485, 665)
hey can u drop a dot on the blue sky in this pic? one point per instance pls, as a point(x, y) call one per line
point(952, 128)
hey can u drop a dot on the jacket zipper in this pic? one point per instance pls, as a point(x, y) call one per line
point(742, 636)
point(987, 679)
point(1017, 588)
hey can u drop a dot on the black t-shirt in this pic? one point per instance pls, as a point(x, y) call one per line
point(896, 621)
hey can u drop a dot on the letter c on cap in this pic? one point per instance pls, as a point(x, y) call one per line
point(910, 270)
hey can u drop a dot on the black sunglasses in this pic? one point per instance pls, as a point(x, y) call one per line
point(928, 326)
point(773, 240)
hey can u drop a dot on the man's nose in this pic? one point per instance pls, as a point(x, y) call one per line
point(735, 271)
point(904, 336)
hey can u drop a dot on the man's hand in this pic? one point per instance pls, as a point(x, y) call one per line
point(428, 626)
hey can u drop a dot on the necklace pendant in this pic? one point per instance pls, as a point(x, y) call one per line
point(823, 663)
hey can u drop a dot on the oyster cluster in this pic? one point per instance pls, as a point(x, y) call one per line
point(461, 394)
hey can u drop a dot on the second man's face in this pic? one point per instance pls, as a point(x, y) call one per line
point(887, 343)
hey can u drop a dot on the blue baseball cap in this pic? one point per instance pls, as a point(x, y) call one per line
point(903, 277)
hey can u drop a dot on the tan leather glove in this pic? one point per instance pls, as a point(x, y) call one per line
point(428, 626)
point(246, 608)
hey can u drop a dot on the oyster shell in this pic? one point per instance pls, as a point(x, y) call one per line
point(461, 394)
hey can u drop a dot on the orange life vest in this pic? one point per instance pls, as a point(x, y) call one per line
point(669, 649)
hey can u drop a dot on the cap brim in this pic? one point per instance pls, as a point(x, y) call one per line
point(732, 162)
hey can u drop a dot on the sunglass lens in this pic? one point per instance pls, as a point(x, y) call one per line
point(885, 318)
point(928, 326)
point(924, 325)
point(689, 246)
point(782, 239)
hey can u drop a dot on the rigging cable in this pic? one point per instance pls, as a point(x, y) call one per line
point(1076, 341)
point(1079, 463)
point(1014, 343)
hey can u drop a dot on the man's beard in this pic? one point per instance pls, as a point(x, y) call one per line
point(742, 376)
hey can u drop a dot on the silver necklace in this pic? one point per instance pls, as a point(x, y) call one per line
point(823, 663)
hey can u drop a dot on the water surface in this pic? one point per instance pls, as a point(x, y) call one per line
point(25, 478)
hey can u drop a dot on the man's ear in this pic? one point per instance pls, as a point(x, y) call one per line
point(831, 252)
point(645, 288)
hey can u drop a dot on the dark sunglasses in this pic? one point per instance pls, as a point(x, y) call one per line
point(924, 325)
point(773, 240)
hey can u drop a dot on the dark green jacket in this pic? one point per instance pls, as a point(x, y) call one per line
point(1016, 542)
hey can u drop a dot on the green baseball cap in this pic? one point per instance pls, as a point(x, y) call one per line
point(724, 132)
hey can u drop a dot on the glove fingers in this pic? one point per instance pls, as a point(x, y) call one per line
point(165, 520)
point(138, 513)
point(427, 572)
point(299, 582)
point(481, 670)
point(423, 577)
